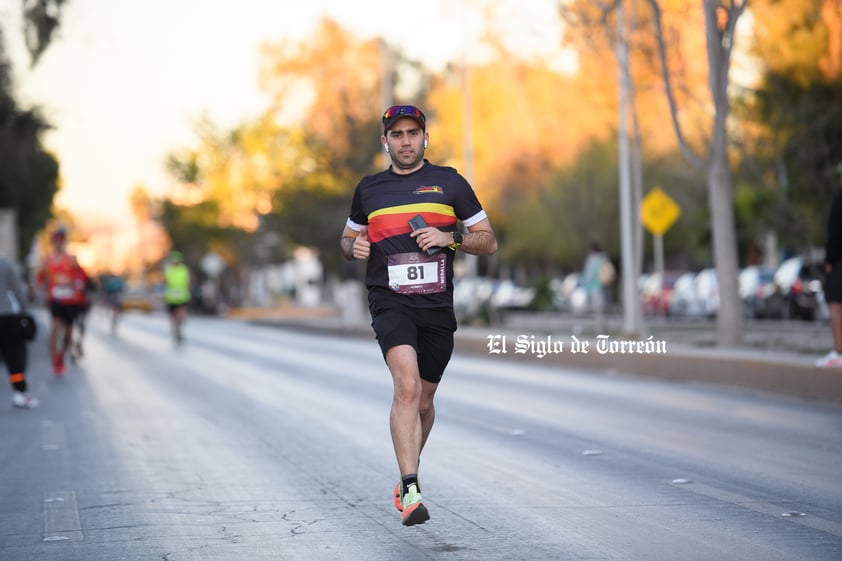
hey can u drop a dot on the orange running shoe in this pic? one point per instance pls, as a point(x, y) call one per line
point(398, 504)
point(58, 365)
point(414, 511)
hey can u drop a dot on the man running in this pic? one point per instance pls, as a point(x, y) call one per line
point(112, 288)
point(177, 294)
point(59, 276)
point(409, 276)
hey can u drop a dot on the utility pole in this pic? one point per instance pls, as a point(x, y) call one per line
point(632, 322)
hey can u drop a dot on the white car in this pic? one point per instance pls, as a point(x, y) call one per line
point(706, 301)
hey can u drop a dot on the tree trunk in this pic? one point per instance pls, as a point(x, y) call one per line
point(719, 40)
point(729, 328)
point(720, 25)
point(633, 324)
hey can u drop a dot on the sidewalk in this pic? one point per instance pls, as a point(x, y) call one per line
point(782, 363)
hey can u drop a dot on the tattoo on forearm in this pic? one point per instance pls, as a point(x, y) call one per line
point(480, 242)
point(347, 246)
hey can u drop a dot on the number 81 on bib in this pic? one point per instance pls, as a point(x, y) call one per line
point(417, 273)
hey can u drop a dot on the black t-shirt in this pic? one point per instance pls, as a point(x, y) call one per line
point(386, 201)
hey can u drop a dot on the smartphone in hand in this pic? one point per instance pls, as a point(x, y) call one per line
point(416, 223)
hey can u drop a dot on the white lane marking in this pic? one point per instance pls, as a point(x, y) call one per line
point(61, 517)
point(52, 436)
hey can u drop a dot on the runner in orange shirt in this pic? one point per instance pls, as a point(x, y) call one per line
point(59, 276)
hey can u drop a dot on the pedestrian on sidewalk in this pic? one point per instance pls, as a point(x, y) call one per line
point(409, 277)
point(833, 276)
point(13, 351)
point(597, 274)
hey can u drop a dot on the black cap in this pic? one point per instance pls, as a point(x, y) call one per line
point(397, 112)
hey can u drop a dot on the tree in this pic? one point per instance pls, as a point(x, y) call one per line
point(303, 173)
point(720, 33)
point(534, 119)
point(791, 121)
point(194, 229)
point(41, 20)
point(551, 226)
point(586, 18)
point(29, 175)
point(620, 33)
point(343, 75)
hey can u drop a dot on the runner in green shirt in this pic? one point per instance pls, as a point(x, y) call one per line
point(177, 293)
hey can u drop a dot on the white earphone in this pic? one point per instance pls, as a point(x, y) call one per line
point(386, 148)
point(425, 144)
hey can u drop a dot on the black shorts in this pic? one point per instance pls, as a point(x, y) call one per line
point(833, 284)
point(12, 344)
point(428, 330)
point(66, 313)
point(173, 308)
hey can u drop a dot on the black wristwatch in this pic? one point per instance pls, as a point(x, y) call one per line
point(457, 240)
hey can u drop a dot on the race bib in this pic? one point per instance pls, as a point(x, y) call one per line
point(417, 273)
point(62, 292)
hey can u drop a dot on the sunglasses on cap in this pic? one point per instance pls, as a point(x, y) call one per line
point(396, 112)
point(402, 111)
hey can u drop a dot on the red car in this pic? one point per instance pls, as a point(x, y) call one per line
point(656, 291)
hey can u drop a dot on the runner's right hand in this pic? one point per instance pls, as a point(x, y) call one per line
point(362, 247)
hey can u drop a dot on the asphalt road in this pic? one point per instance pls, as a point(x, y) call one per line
point(255, 442)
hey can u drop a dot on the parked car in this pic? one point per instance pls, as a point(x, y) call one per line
point(656, 292)
point(569, 295)
point(755, 283)
point(682, 295)
point(706, 294)
point(471, 297)
point(508, 295)
point(797, 292)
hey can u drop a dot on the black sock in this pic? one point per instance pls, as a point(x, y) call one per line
point(411, 479)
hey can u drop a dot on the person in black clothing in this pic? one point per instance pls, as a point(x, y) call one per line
point(13, 351)
point(833, 276)
point(409, 277)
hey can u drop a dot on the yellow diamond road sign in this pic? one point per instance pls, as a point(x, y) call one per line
point(658, 211)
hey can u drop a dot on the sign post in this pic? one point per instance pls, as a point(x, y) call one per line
point(658, 212)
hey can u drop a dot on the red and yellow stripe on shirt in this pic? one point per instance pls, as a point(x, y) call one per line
point(394, 221)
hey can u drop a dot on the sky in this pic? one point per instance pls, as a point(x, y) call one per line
point(124, 81)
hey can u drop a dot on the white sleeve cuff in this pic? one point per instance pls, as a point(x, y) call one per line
point(475, 219)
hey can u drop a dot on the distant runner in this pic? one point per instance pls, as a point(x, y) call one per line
point(59, 278)
point(177, 294)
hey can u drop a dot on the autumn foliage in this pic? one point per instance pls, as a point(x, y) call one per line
point(536, 141)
